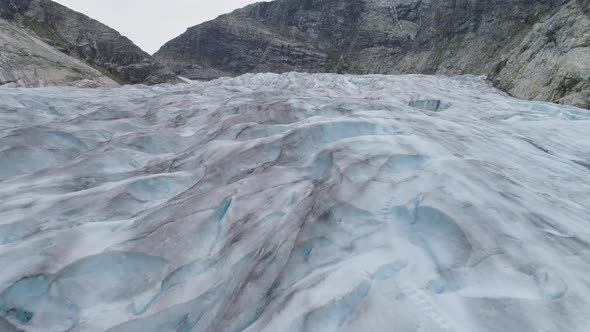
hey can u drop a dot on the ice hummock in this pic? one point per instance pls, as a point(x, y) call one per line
point(293, 202)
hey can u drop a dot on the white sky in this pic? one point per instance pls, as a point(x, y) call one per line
point(151, 23)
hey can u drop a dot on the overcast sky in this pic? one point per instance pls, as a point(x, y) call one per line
point(151, 23)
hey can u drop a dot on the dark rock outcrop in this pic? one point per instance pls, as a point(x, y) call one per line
point(26, 22)
point(534, 49)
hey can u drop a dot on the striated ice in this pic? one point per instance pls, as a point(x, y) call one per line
point(433, 105)
point(293, 202)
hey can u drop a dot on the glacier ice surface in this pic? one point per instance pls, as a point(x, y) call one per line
point(293, 202)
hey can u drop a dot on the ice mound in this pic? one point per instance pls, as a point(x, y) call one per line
point(293, 202)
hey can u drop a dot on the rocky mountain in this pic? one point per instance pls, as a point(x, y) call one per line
point(25, 60)
point(538, 50)
point(45, 43)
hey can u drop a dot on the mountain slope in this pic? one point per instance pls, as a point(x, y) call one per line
point(531, 49)
point(26, 60)
point(293, 202)
point(75, 35)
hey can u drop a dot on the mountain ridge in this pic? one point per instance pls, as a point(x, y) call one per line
point(78, 36)
point(533, 50)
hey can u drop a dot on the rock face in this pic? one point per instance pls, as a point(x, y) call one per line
point(45, 43)
point(537, 50)
point(27, 61)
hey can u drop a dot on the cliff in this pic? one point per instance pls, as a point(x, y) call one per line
point(45, 43)
point(538, 50)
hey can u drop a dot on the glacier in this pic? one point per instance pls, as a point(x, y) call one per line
point(293, 202)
